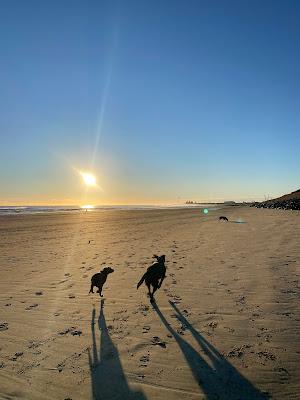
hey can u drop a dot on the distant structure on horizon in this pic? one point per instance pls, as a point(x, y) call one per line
point(228, 203)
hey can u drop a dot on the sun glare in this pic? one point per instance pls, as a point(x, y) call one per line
point(88, 179)
point(87, 207)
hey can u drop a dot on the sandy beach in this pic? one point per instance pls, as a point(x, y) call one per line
point(225, 326)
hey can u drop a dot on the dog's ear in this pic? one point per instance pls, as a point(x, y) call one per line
point(155, 256)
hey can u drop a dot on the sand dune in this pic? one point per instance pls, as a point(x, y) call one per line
point(225, 326)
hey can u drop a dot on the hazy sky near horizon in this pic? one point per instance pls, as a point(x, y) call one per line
point(164, 101)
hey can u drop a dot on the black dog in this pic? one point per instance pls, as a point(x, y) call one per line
point(223, 218)
point(154, 276)
point(99, 279)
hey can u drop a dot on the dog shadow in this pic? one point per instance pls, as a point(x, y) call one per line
point(107, 375)
point(216, 377)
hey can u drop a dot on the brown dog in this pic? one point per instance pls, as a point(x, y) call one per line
point(223, 218)
point(99, 279)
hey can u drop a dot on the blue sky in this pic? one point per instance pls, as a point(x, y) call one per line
point(164, 100)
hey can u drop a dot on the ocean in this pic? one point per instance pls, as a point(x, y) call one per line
point(15, 210)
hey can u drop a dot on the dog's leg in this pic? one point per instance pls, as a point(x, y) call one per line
point(161, 281)
point(152, 299)
point(91, 289)
point(149, 291)
point(153, 291)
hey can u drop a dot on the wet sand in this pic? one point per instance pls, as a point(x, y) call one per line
point(225, 326)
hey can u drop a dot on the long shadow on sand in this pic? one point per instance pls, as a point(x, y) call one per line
point(216, 377)
point(108, 378)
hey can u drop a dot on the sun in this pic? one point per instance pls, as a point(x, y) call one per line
point(88, 179)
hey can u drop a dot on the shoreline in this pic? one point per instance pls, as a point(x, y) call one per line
point(28, 210)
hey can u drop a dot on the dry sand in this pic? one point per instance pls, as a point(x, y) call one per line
point(227, 320)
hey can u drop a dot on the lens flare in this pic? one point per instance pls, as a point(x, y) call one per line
point(205, 211)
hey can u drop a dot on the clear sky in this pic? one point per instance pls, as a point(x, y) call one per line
point(164, 101)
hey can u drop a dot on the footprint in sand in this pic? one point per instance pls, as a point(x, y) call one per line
point(71, 296)
point(156, 341)
point(72, 330)
point(146, 328)
point(266, 355)
point(144, 360)
point(143, 309)
point(17, 355)
point(186, 313)
point(31, 306)
point(39, 293)
point(33, 345)
point(238, 352)
point(212, 324)
point(3, 326)
point(284, 374)
point(231, 330)
point(241, 300)
point(176, 299)
point(181, 330)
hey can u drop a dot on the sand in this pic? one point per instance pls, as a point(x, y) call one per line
point(226, 324)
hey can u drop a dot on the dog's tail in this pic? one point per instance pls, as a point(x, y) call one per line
point(141, 281)
point(91, 289)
